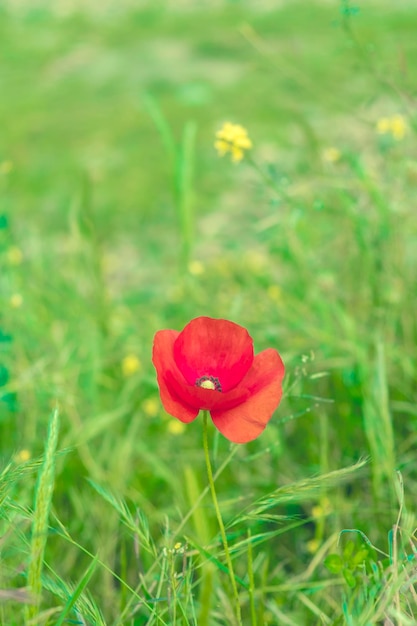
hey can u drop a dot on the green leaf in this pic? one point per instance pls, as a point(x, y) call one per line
point(348, 550)
point(334, 563)
point(349, 578)
point(360, 557)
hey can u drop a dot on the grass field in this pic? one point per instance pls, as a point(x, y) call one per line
point(118, 218)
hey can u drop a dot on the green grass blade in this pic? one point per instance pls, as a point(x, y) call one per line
point(210, 557)
point(77, 592)
point(379, 431)
point(183, 190)
point(43, 501)
point(162, 126)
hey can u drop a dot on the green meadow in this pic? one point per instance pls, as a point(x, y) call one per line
point(119, 218)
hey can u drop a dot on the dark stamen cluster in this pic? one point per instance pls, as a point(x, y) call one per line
point(217, 386)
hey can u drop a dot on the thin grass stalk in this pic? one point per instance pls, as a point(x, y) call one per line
point(251, 577)
point(181, 159)
point(202, 529)
point(204, 492)
point(183, 191)
point(396, 564)
point(79, 589)
point(379, 432)
point(43, 500)
point(269, 181)
point(220, 520)
point(162, 126)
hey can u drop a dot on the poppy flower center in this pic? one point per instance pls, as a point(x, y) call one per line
point(209, 382)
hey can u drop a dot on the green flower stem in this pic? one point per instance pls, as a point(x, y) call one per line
point(220, 519)
point(269, 180)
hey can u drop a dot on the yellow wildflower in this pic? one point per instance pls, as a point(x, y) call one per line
point(383, 126)
point(130, 365)
point(14, 255)
point(16, 301)
point(313, 545)
point(275, 293)
point(175, 427)
point(151, 407)
point(396, 126)
point(322, 509)
point(331, 155)
point(196, 268)
point(256, 261)
point(6, 167)
point(22, 456)
point(232, 138)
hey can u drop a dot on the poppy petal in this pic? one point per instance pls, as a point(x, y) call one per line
point(166, 370)
point(246, 421)
point(215, 348)
point(173, 384)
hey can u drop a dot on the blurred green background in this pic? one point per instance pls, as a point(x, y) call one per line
point(118, 219)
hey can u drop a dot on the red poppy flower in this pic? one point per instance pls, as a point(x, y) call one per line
point(211, 365)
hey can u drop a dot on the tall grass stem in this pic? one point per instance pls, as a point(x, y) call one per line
point(43, 501)
point(181, 157)
point(184, 169)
